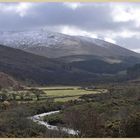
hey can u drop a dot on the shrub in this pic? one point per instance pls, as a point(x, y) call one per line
point(131, 126)
point(86, 120)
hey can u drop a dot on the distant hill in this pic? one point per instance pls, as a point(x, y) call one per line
point(31, 68)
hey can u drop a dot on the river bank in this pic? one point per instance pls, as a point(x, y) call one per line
point(39, 120)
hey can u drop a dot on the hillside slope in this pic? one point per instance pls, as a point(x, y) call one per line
point(31, 68)
point(7, 81)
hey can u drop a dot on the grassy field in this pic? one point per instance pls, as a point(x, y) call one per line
point(68, 93)
point(66, 99)
point(57, 93)
point(58, 87)
point(76, 92)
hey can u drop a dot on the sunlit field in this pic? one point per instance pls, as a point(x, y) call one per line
point(66, 93)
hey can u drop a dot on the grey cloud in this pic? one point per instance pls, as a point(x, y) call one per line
point(88, 17)
point(130, 43)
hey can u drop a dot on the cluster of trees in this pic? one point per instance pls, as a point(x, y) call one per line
point(10, 94)
point(37, 92)
point(99, 66)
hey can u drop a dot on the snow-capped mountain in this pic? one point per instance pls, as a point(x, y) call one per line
point(31, 38)
point(42, 38)
point(54, 45)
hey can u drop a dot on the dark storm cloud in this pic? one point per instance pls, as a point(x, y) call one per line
point(87, 17)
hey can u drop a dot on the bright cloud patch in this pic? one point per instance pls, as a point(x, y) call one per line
point(19, 8)
point(73, 6)
point(110, 40)
point(126, 12)
point(77, 32)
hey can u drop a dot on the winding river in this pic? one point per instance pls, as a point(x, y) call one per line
point(39, 120)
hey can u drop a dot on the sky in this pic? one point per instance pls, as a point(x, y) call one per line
point(117, 23)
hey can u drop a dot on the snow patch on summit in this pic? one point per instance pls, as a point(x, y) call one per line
point(26, 39)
